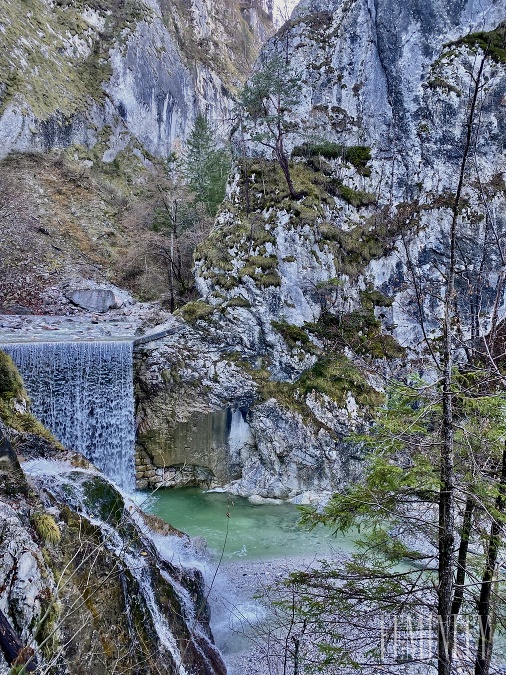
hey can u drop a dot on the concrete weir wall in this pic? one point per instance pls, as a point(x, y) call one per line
point(204, 450)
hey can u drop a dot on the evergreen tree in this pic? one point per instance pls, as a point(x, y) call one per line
point(205, 166)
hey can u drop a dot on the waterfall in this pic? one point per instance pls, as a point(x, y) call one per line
point(83, 393)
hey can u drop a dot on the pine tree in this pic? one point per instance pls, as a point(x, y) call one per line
point(205, 166)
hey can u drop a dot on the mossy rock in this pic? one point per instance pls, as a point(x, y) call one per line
point(11, 383)
point(354, 248)
point(238, 301)
point(374, 298)
point(335, 377)
point(357, 198)
point(360, 331)
point(39, 35)
point(293, 335)
point(12, 391)
point(264, 263)
point(267, 280)
point(357, 155)
point(103, 500)
point(195, 311)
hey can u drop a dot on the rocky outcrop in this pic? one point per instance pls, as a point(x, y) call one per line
point(122, 74)
point(323, 296)
point(208, 416)
point(378, 165)
point(189, 396)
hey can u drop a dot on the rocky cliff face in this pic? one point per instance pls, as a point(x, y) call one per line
point(94, 97)
point(390, 88)
point(322, 295)
point(121, 73)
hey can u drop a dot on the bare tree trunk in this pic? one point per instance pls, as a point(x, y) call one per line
point(283, 163)
point(245, 169)
point(460, 578)
point(14, 651)
point(486, 602)
point(446, 540)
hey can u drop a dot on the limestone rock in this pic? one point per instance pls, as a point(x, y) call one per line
point(140, 81)
point(96, 300)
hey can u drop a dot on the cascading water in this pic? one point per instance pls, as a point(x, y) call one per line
point(83, 393)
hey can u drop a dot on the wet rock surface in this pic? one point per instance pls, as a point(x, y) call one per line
point(70, 545)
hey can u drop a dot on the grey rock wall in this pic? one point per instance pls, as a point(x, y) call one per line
point(142, 85)
point(397, 79)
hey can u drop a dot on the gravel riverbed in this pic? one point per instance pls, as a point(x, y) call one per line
point(244, 630)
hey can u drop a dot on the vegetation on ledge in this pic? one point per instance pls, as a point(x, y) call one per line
point(14, 402)
point(194, 311)
point(493, 43)
point(357, 155)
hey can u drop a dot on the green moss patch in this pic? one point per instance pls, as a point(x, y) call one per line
point(356, 198)
point(361, 332)
point(335, 377)
point(238, 301)
point(195, 311)
point(103, 500)
point(12, 391)
point(355, 248)
point(492, 43)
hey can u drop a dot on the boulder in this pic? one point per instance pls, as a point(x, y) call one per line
point(95, 299)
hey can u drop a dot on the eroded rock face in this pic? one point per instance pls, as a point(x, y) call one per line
point(292, 456)
point(189, 396)
point(201, 422)
point(122, 75)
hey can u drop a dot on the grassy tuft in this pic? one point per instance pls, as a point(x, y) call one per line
point(293, 335)
point(195, 311)
point(238, 301)
point(46, 527)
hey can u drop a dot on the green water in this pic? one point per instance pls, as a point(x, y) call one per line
point(255, 531)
